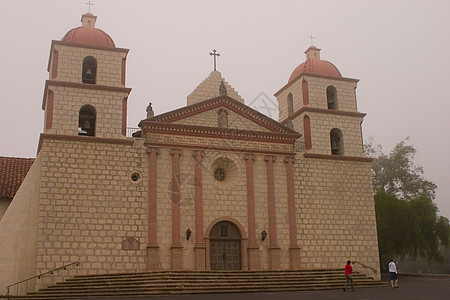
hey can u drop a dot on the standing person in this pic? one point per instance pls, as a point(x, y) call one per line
point(348, 276)
point(393, 274)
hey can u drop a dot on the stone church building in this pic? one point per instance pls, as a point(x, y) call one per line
point(214, 185)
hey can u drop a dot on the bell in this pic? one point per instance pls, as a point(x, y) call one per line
point(85, 124)
point(89, 71)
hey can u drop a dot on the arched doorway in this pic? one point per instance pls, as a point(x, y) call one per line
point(225, 246)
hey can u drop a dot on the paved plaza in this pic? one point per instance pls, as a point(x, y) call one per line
point(411, 288)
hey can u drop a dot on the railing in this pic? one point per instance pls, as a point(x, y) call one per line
point(131, 130)
point(365, 266)
point(51, 272)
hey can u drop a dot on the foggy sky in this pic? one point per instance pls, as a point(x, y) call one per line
point(398, 49)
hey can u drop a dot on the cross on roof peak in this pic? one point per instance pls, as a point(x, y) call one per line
point(89, 5)
point(215, 54)
point(311, 38)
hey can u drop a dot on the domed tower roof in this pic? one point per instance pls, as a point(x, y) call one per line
point(87, 33)
point(314, 65)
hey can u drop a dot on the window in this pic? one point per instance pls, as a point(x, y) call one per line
point(89, 70)
point(290, 104)
point(332, 97)
point(86, 120)
point(219, 174)
point(337, 142)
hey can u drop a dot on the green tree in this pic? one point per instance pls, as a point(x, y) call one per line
point(396, 173)
point(407, 219)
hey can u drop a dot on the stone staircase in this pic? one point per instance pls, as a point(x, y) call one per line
point(197, 282)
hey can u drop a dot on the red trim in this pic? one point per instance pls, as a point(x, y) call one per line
point(337, 157)
point(198, 198)
point(325, 111)
point(54, 72)
point(152, 200)
point(114, 49)
point(305, 92)
point(175, 197)
point(307, 132)
point(250, 199)
point(124, 69)
point(124, 116)
point(271, 201)
point(291, 201)
point(202, 147)
point(224, 133)
point(49, 110)
point(314, 75)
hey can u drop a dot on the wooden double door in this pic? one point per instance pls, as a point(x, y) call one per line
point(225, 247)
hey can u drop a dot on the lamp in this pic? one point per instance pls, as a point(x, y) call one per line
point(188, 234)
point(263, 235)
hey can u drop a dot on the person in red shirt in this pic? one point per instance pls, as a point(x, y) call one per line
point(348, 276)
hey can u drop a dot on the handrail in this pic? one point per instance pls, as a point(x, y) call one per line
point(39, 276)
point(365, 266)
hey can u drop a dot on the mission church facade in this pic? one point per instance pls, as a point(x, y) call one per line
point(214, 185)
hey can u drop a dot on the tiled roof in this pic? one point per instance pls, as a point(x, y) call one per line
point(12, 172)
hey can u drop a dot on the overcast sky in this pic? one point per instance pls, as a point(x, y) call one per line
point(398, 49)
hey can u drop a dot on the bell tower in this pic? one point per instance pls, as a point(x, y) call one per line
point(85, 94)
point(321, 104)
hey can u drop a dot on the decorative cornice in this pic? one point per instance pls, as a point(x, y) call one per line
point(337, 157)
point(230, 103)
point(235, 150)
point(215, 132)
point(303, 75)
point(78, 85)
point(307, 109)
point(114, 49)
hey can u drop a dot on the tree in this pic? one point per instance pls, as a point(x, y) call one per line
point(396, 173)
point(407, 219)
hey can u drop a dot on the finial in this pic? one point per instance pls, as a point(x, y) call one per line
point(312, 38)
point(222, 89)
point(214, 53)
point(289, 124)
point(150, 112)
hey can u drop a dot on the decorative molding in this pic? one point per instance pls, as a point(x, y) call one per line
point(307, 109)
point(337, 157)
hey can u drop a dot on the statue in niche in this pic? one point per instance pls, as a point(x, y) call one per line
point(150, 112)
point(222, 89)
point(223, 119)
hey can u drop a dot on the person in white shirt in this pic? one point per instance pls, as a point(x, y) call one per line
point(393, 274)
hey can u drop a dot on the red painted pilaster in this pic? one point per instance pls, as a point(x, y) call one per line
point(152, 246)
point(253, 248)
point(200, 248)
point(176, 247)
point(307, 132)
point(305, 92)
point(124, 116)
point(49, 110)
point(271, 201)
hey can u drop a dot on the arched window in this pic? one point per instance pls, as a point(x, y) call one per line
point(332, 100)
point(290, 104)
point(86, 120)
point(89, 70)
point(337, 142)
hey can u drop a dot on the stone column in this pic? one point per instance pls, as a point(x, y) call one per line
point(294, 249)
point(176, 247)
point(199, 248)
point(152, 246)
point(274, 249)
point(253, 248)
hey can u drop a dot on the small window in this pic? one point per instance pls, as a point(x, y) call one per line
point(219, 174)
point(290, 104)
point(89, 70)
point(337, 142)
point(86, 120)
point(332, 97)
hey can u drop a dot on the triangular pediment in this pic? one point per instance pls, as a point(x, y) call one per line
point(210, 113)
